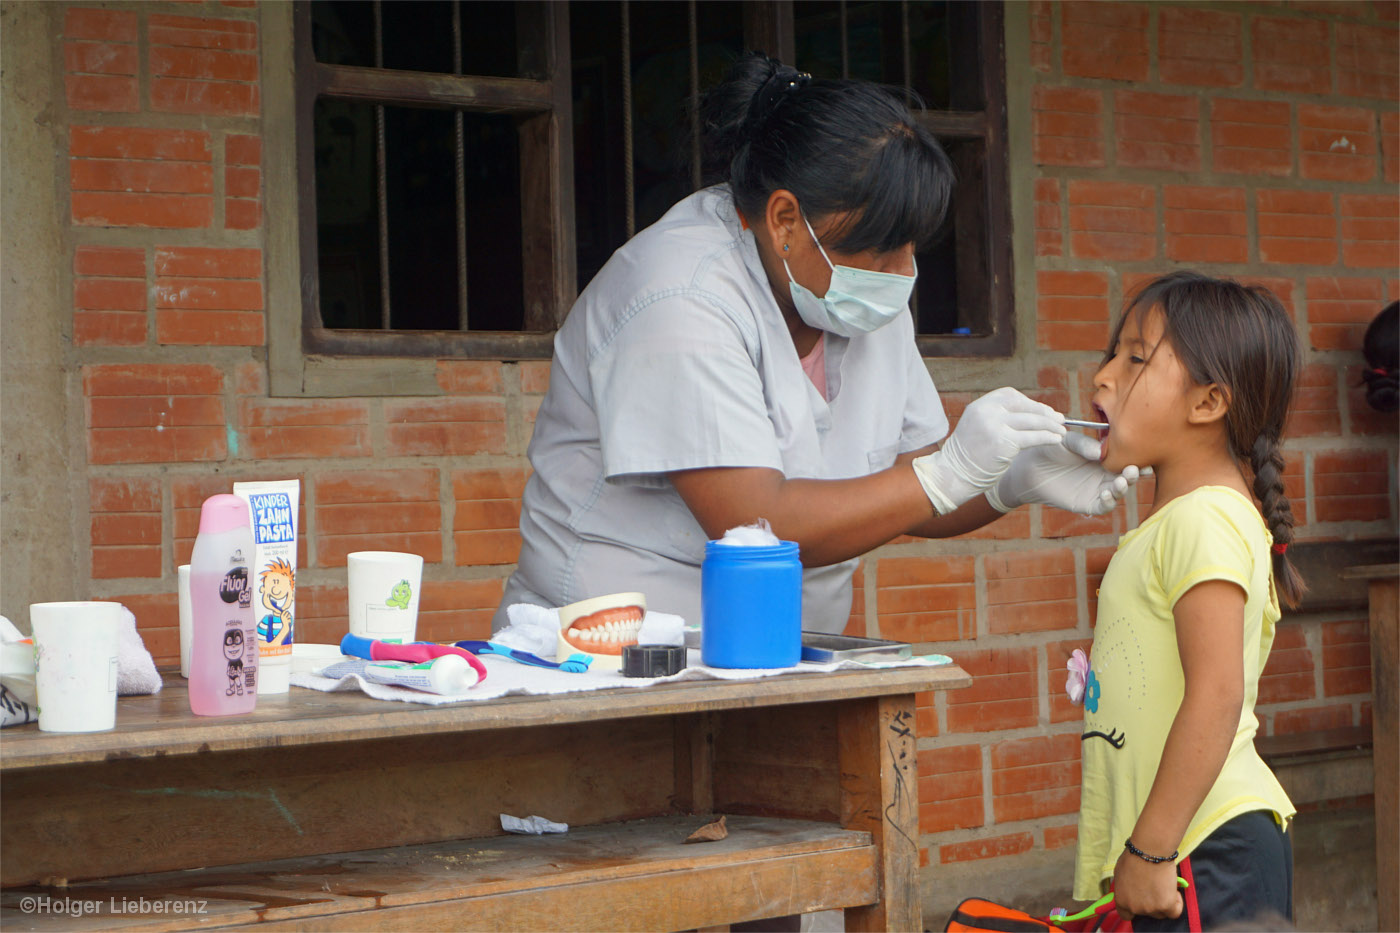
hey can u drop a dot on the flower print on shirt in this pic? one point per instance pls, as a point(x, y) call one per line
point(1118, 655)
point(1078, 667)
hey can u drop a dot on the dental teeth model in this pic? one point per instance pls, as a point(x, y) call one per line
point(602, 627)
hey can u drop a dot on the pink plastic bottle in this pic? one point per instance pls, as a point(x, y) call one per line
point(224, 648)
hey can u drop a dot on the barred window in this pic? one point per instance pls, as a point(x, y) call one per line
point(466, 166)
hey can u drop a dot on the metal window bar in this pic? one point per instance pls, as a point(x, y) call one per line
point(694, 26)
point(461, 174)
point(627, 171)
point(845, 44)
point(905, 57)
point(381, 178)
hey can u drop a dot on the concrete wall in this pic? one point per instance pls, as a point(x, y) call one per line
point(148, 265)
point(41, 461)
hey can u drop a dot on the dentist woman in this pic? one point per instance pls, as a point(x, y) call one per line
point(751, 355)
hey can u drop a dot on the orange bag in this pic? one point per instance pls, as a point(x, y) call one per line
point(977, 915)
point(974, 915)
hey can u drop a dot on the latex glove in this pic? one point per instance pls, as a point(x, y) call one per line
point(1067, 476)
point(991, 432)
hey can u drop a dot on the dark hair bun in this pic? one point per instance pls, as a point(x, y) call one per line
point(840, 146)
point(1381, 347)
point(1382, 389)
point(724, 112)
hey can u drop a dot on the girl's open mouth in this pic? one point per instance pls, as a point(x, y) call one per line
point(1101, 415)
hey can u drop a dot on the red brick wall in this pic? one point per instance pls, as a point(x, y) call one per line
point(1256, 141)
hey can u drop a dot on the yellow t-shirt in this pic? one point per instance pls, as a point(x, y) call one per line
point(1135, 685)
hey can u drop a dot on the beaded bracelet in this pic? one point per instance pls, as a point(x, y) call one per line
point(1154, 859)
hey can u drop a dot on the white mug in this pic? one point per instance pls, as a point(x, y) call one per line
point(383, 591)
point(75, 674)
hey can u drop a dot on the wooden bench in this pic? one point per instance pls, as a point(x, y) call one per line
point(1283, 749)
point(1319, 764)
point(336, 811)
point(1313, 766)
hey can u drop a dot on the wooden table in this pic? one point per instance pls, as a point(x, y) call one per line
point(1384, 586)
point(338, 811)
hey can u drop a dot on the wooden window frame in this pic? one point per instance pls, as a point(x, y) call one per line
point(545, 109)
point(986, 270)
point(985, 263)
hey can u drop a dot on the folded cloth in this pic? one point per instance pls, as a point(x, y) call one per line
point(530, 628)
point(661, 628)
point(136, 669)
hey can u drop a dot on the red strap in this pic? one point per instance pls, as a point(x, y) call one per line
point(1193, 907)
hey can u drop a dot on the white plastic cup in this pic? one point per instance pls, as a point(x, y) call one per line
point(182, 575)
point(384, 594)
point(75, 650)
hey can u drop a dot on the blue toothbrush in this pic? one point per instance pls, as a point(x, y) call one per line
point(573, 664)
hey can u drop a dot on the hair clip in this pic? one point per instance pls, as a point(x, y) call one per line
point(1279, 548)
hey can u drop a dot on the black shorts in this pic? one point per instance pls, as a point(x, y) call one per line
point(1242, 872)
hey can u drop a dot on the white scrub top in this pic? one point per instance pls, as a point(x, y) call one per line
point(677, 357)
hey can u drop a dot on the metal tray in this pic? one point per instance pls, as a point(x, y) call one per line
point(824, 649)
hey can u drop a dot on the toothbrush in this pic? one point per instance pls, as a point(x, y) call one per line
point(417, 652)
point(573, 664)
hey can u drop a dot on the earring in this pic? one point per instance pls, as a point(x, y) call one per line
point(785, 247)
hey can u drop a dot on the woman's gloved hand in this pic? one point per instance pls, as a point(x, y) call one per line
point(1067, 476)
point(989, 435)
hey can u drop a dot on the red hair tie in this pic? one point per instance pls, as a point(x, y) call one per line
point(1280, 548)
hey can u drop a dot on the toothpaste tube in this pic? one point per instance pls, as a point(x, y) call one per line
point(272, 507)
point(449, 675)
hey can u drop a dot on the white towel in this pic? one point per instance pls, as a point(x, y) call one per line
point(136, 669)
point(509, 678)
point(661, 628)
point(532, 629)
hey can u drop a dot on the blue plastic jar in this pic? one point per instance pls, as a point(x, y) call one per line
point(751, 605)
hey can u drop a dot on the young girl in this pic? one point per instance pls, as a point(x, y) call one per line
point(1196, 384)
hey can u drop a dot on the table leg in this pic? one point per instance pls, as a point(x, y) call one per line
point(1385, 729)
point(879, 794)
point(695, 762)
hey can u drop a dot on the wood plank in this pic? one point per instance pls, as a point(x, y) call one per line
point(698, 897)
point(572, 881)
point(1325, 778)
point(695, 762)
point(1315, 742)
point(950, 124)
point(162, 725)
point(1325, 568)
point(879, 794)
point(150, 814)
point(1385, 723)
point(412, 88)
point(778, 762)
point(494, 345)
point(768, 28)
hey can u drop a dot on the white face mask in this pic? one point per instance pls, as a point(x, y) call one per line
point(858, 301)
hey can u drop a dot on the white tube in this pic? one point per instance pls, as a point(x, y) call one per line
point(449, 675)
point(272, 507)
